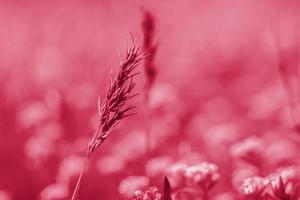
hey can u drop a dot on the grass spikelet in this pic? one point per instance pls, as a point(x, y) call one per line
point(114, 108)
point(148, 28)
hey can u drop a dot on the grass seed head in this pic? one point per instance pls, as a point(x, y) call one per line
point(114, 107)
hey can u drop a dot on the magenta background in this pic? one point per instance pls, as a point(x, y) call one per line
point(217, 84)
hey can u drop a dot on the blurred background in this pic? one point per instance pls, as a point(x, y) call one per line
point(226, 84)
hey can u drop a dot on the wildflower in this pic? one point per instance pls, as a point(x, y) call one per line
point(284, 149)
point(175, 174)
point(224, 196)
point(243, 171)
point(54, 191)
point(131, 184)
point(253, 187)
point(157, 166)
point(112, 163)
point(68, 168)
point(248, 150)
point(204, 174)
point(152, 193)
point(284, 183)
point(187, 194)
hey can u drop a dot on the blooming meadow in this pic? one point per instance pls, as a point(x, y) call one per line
point(149, 100)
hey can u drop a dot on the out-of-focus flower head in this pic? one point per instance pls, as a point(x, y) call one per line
point(187, 155)
point(285, 183)
point(42, 144)
point(69, 167)
point(265, 103)
point(152, 193)
point(254, 187)
point(163, 99)
point(175, 174)
point(187, 194)
point(132, 145)
point(224, 196)
point(111, 164)
point(158, 165)
point(204, 174)
point(4, 195)
point(284, 149)
point(33, 114)
point(132, 184)
point(249, 150)
point(224, 134)
point(241, 172)
point(54, 191)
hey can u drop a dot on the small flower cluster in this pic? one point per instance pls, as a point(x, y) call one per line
point(284, 183)
point(253, 187)
point(281, 185)
point(183, 180)
point(204, 174)
point(248, 150)
point(175, 173)
point(151, 193)
point(133, 183)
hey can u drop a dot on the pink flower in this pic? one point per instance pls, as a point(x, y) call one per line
point(131, 184)
point(253, 187)
point(203, 174)
point(157, 166)
point(248, 150)
point(284, 183)
point(187, 194)
point(175, 174)
point(151, 193)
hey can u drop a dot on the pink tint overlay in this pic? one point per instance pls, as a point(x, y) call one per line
point(150, 100)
